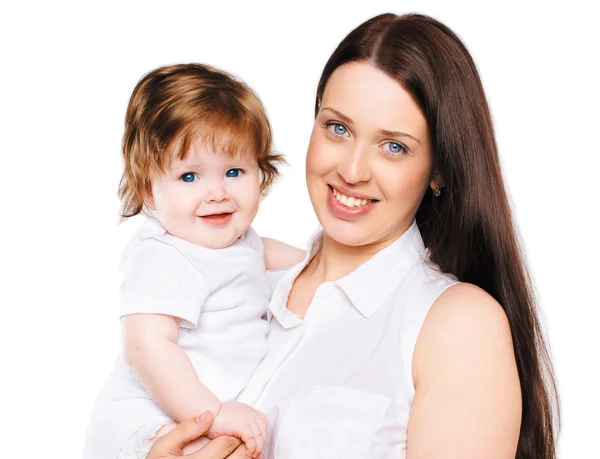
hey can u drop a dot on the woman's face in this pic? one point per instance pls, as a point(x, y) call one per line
point(369, 159)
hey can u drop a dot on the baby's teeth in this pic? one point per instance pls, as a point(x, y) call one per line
point(344, 200)
point(350, 202)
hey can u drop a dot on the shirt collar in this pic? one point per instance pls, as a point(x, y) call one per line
point(367, 287)
point(281, 292)
point(370, 285)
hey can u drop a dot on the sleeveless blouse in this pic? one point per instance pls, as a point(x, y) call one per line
point(338, 383)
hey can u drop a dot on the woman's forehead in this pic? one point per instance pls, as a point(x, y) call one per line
point(371, 98)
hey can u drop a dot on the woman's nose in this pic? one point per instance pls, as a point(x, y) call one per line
point(355, 168)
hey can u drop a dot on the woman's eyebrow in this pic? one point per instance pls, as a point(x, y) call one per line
point(387, 133)
point(344, 118)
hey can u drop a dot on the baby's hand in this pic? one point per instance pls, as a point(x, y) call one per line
point(242, 421)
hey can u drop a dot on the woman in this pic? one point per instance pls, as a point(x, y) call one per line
point(422, 338)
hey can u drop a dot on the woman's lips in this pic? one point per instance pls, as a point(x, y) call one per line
point(347, 213)
point(217, 219)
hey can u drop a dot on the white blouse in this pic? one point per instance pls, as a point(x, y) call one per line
point(338, 383)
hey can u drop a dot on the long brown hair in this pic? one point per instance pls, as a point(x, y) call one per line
point(469, 229)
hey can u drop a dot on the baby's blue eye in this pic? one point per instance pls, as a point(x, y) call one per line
point(339, 129)
point(395, 147)
point(233, 172)
point(188, 177)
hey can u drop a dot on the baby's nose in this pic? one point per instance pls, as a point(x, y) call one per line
point(217, 193)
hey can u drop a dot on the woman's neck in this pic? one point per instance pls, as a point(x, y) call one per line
point(336, 260)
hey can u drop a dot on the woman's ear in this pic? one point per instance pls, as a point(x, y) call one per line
point(436, 182)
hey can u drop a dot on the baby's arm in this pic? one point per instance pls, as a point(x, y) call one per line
point(165, 370)
point(162, 289)
point(281, 255)
point(150, 347)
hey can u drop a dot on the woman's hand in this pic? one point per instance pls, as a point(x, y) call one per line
point(171, 445)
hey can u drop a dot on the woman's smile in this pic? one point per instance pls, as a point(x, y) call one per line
point(348, 206)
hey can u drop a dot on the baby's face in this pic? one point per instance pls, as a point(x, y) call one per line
point(208, 199)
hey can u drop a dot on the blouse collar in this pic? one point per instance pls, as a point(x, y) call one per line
point(369, 285)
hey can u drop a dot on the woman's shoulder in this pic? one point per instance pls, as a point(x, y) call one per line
point(465, 324)
point(465, 374)
point(464, 303)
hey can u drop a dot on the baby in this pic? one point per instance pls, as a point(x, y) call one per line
point(197, 150)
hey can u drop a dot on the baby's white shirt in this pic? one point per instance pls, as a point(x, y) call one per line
point(221, 296)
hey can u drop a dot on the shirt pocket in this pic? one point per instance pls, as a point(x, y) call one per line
point(329, 422)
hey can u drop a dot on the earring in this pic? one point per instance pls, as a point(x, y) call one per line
point(437, 192)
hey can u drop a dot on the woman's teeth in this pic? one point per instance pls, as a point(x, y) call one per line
point(349, 201)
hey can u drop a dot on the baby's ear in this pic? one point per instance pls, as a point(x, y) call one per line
point(150, 203)
point(149, 200)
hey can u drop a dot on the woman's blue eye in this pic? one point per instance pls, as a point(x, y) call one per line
point(338, 129)
point(233, 172)
point(395, 147)
point(188, 177)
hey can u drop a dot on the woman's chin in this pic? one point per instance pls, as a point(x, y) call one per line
point(352, 234)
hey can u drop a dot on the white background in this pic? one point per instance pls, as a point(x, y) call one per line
point(67, 72)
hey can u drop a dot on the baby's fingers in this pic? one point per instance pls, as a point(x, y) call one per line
point(241, 454)
point(251, 447)
point(249, 438)
point(263, 424)
point(260, 439)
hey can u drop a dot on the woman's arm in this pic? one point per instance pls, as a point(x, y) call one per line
point(150, 347)
point(467, 400)
point(281, 255)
